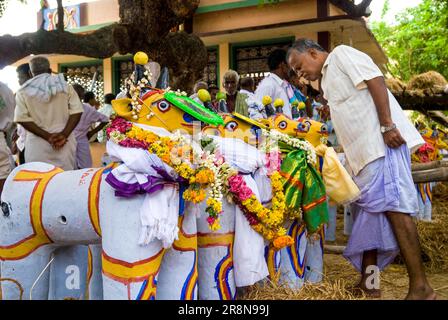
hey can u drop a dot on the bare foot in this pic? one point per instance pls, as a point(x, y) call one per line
point(425, 293)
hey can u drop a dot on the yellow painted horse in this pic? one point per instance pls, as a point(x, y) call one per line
point(313, 131)
point(304, 260)
point(246, 129)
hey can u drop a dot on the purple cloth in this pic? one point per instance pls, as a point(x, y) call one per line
point(153, 184)
point(88, 117)
point(128, 190)
point(386, 185)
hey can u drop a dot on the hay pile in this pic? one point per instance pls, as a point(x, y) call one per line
point(426, 84)
point(430, 79)
point(396, 86)
point(434, 235)
point(339, 275)
point(333, 288)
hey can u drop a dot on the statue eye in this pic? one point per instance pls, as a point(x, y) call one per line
point(324, 128)
point(163, 106)
point(304, 126)
point(231, 126)
point(308, 125)
point(282, 125)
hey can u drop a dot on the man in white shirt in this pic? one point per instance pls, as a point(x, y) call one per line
point(275, 83)
point(377, 139)
point(255, 107)
point(7, 105)
point(107, 110)
point(49, 109)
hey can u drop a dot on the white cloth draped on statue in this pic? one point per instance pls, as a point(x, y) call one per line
point(160, 210)
point(248, 249)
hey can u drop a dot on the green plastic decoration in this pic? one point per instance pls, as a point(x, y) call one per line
point(194, 109)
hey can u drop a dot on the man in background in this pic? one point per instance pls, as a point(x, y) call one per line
point(107, 110)
point(7, 105)
point(49, 109)
point(236, 101)
point(23, 75)
point(377, 139)
point(255, 108)
point(83, 131)
point(275, 84)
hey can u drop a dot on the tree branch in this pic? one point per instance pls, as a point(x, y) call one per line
point(13, 49)
point(144, 26)
point(348, 6)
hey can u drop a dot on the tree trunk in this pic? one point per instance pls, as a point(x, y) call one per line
point(60, 25)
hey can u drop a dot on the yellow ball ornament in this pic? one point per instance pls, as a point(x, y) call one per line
point(266, 100)
point(204, 95)
point(141, 58)
point(279, 103)
point(301, 105)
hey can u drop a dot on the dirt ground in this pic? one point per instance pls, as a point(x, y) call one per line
point(339, 275)
point(394, 279)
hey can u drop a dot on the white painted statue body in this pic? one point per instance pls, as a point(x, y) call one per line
point(83, 199)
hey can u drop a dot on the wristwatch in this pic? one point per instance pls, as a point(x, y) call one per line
point(387, 129)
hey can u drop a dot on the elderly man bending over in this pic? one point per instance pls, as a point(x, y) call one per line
point(49, 109)
point(377, 139)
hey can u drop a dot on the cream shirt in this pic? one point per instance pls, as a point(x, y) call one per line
point(7, 105)
point(50, 116)
point(353, 111)
point(274, 87)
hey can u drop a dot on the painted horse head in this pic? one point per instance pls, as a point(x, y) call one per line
point(237, 126)
point(310, 130)
point(160, 107)
point(169, 110)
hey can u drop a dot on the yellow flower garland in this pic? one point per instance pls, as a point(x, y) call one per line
point(173, 151)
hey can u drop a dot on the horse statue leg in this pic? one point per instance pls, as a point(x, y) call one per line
point(94, 287)
point(130, 270)
point(292, 259)
point(25, 246)
point(178, 276)
point(314, 257)
point(68, 273)
point(215, 251)
point(27, 278)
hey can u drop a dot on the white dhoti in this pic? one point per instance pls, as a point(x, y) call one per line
point(39, 150)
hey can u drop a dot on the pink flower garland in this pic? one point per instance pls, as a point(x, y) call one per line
point(239, 188)
point(119, 124)
point(273, 161)
point(133, 143)
point(242, 192)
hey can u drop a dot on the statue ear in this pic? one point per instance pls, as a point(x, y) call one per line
point(266, 122)
point(122, 108)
